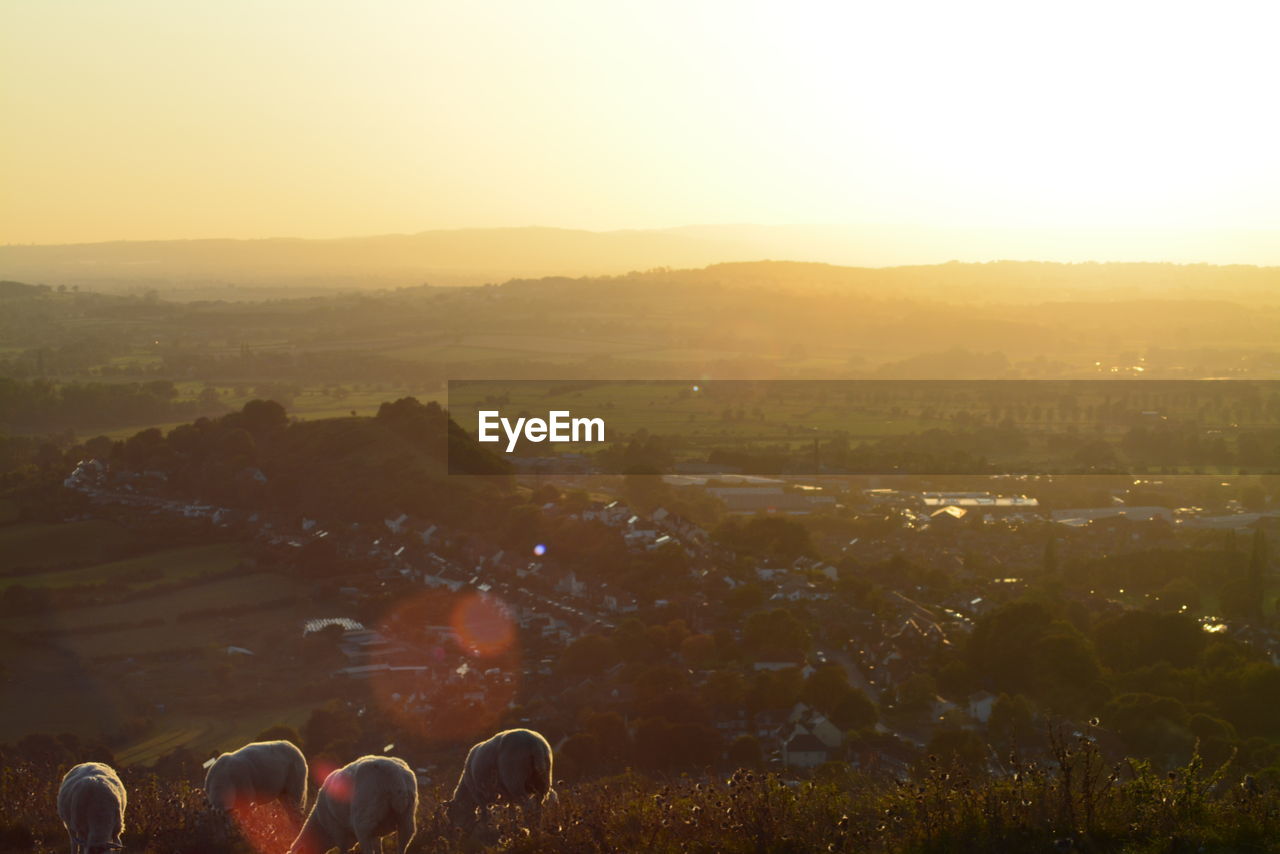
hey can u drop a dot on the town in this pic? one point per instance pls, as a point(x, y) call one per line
point(807, 622)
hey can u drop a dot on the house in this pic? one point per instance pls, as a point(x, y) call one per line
point(1080, 517)
point(820, 726)
point(941, 706)
point(441, 579)
point(947, 517)
point(621, 603)
point(571, 585)
point(803, 750)
point(363, 671)
point(985, 501)
point(980, 705)
point(773, 665)
point(364, 642)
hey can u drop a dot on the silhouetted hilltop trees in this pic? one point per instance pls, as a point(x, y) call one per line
point(353, 469)
point(38, 406)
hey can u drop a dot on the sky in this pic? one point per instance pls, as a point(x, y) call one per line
point(155, 120)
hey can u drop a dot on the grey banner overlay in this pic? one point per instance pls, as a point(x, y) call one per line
point(933, 427)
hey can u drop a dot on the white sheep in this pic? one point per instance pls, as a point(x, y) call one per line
point(360, 803)
point(91, 802)
point(259, 773)
point(514, 765)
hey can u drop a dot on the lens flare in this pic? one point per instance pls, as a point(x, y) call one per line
point(540, 549)
point(453, 665)
point(484, 625)
point(339, 787)
point(267, 828)
point(321, 767)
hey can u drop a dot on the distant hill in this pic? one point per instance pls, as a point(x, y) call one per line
point(18, 289)
point(452, 257)
point(477, 256)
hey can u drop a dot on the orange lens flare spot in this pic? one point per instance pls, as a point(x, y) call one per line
point(339, 787)
point(267, 828)
point(321, 768)
point(453, 664)
point(483, 626)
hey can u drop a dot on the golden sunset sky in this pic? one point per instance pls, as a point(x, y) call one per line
point(254, 118)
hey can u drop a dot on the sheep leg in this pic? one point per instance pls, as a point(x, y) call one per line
point(518, 778)
point(295, 796)
point(533, 810)
point(295, 814)
point(405, 831)
point(369, 843)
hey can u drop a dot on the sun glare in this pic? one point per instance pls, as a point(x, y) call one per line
point(333, 122)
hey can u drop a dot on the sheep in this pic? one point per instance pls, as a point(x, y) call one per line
point(91, 802)
point(362, 802)
point(259, 773)
point(514, 765)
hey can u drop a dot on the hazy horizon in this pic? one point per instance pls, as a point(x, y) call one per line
point(323, 122)
point(472, 256)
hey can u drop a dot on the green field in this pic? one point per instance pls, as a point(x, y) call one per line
point(59, 545)
point(140, 573)
point(89, 681)
point(696, 417)
point(213, 734)
point(219, 593)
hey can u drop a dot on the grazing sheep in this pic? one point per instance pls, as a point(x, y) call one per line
point(514, 765)
point(362, 802)
point(259, 773)
point(91, 802)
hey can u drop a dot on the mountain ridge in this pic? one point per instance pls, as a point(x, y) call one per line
point(468, 256)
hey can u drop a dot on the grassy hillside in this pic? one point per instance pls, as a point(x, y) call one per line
point(1074, 804)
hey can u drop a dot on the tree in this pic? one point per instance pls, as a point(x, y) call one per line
point(827, 688)
point(854, 711)
point(776, 634)
point(746, 597)
point(773, 690)
point(1051, 557)
point(960, 747)
point(725, 689)
point(1012, 720)
point(588, 656)
point(698, 651)
point(1152, 726)
point(746, 752)
point(766, 536)
point(279, 732)
point(662, 745)
point(580, 755)
point(1257, 578)
point(263, 416)
point(613, 739)
point(1216, 737)
point(329, 726)
point(915, 696)
point(1139, 638)
point(1022, 647)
